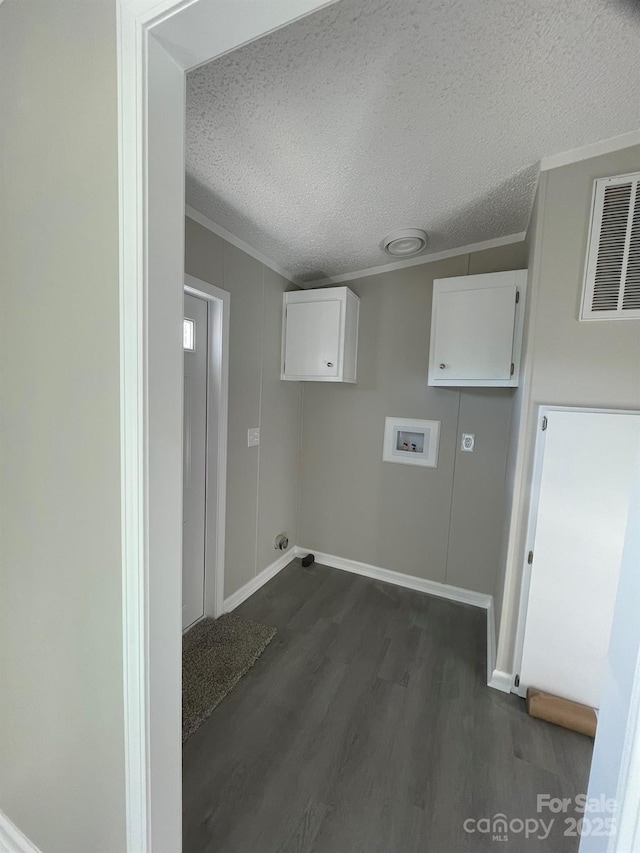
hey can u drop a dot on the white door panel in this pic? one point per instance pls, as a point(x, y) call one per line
point(584, 491)
point(313, 338)
point(194, 463)
point(474, 333)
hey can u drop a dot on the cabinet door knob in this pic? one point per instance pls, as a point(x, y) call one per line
point(442, 366)
point(329, 364)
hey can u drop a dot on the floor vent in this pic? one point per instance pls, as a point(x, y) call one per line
point(612, 272)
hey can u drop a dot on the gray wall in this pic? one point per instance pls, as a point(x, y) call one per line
point(61, 704)
point(443, 524)
point(262, 482)
point(576, 363)
point(572, 363)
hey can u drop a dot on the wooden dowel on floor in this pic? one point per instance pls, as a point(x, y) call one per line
point(562, 712)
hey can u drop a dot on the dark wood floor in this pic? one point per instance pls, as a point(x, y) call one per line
point(367, 727)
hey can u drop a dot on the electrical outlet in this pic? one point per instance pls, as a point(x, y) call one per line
point(468, 442)
point(253, 437)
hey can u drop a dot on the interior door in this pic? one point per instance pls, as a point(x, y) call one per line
point(585, 480)
point(194, 458)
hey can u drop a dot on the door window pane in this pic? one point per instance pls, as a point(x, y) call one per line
point(189, 335)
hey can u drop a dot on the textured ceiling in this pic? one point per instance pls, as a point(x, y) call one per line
point(315, 141)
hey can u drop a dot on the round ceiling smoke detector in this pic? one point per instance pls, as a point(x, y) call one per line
point(404, 243)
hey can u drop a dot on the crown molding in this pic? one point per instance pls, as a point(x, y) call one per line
point(594, 149)
point(422, 259)
point(555, 161)
point(203, 220)
point(212, 226)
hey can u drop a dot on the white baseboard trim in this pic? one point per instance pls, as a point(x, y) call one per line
point(12, 840)
point(441, 590)
point(500, 680)
point(495, 678)
point(260, 579)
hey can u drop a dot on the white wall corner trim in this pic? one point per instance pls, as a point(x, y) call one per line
point(501, 680)
point(11, 839)
point(507, 629)
point(212, 226)
point(627, 821)
point(240, 595)
point(594, 149)
point(422, 259)
point(491, 640)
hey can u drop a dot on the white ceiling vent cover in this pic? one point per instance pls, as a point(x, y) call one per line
point(612, 274)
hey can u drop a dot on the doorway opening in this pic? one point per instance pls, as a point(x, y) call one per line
point(204, 447)
point(158, 42)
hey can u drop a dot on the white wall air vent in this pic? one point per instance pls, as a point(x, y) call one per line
point(612, 272)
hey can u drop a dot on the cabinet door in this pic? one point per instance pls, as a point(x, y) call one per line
point(312, 338)
point(474, 333)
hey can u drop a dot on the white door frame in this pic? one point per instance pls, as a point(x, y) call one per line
point(536, 482)
point(218, 304)
point(536, 478)
point(158, 41)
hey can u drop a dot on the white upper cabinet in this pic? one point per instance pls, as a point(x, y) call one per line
point(320, 335)
point(476, 329)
